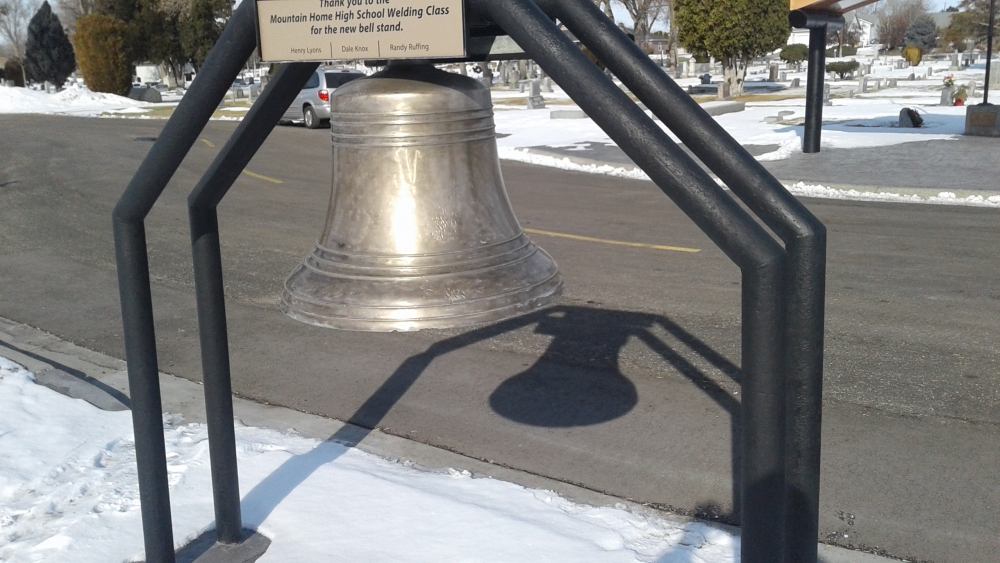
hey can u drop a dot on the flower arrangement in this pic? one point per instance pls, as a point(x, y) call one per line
point(949, 81)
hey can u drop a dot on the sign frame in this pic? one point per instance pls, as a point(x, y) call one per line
point(463, 55)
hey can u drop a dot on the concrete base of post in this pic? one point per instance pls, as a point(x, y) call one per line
point(982, 120)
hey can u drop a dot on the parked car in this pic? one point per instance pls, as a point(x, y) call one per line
point(312, 105)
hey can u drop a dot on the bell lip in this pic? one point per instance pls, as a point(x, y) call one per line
point(439, 322)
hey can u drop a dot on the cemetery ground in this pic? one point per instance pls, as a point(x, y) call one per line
point(646, 338)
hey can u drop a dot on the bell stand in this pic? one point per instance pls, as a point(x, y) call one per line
point(782, 287)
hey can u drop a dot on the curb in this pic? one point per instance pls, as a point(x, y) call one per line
point(102, 380)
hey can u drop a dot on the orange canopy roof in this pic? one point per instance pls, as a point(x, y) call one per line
point(834, 6)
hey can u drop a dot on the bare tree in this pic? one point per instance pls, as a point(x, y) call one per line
point(895, 17)
point(644, 14)
point(71, 10)
point(605, 5)
point(14, 18)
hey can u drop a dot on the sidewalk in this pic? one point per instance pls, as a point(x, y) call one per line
point(102, 381)
point(963, 166)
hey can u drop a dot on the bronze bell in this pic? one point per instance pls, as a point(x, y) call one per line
point(420, 233)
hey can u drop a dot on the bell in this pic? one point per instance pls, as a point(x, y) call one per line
point(420, 233)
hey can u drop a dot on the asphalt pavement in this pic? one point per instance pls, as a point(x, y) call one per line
point(629, 386)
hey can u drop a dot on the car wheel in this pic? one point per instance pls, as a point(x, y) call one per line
point(309, 116)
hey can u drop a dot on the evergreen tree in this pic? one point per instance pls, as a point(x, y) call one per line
point(48, 54)
point(922, 33)
point(201, 27)
point(100, 47)
point(734, 32)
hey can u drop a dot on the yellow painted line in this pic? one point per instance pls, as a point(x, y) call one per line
point(265, 178)
point(618, 242)
point(209, 143)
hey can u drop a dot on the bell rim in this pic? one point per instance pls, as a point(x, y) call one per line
point(438, 322)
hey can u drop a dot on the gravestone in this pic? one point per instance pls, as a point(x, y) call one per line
point(724, 91)
point(826, 95)
point(795, 83)
point(910, 118)
point(772, 73)
point(782, 76)
point(864, 84)
point(893, 83)
point(144, 94)
point(954, 62)
point(911, 77)
point(706, 78)
point(994, 75)
point(535, 100)
point(547, 84)
point(778, 118)
point(948, 96)
point(982, 120)
point(930, 71)
point(850, 93)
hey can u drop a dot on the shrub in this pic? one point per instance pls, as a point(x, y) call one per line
point(48, 54)
point(845, 51)
point(12, 70)
point(101, 53)
point(843, 68)
point(913, 55)
point(794, 53)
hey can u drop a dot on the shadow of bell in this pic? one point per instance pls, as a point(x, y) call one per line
point(555, 394)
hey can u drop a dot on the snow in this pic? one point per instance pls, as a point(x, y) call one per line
point(75, 100)
point(71, 494)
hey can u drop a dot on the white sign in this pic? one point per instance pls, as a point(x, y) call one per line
point(321, 30)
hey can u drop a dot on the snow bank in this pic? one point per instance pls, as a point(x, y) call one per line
point(75, 100)
point(71, 494)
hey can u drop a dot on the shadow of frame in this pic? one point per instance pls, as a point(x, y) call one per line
point(575, 382)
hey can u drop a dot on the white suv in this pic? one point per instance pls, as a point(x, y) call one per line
point(312, 105)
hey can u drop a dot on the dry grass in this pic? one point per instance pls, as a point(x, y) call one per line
point(162, 112)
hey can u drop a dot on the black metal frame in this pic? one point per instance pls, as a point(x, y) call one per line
point(783, 288)
point(818, 24)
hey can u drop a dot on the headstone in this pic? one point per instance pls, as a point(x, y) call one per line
point(690, 66)
point(864, 84)
point(930, 71)
point(911, 77)
point(893, 83)
point(954, 62)
point(568, 114)
point(547, 84)
point(724, 91)
point(706, 78)
point(535, 100)
point(832, 76)
point(948, 96)
point(910, 118)
point(772, 73)
point(994, 75)
point(521, 85)
point(782, 76)
point(850, 92)
point(795, 83)
point(982, 120)
point(144, 94)
point(826, 95)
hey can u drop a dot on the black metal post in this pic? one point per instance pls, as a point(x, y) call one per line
point(210, 291)
point(814, 90)
point(180, 133)
point(804, 237)
point(989, 53)
point(755, 252)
